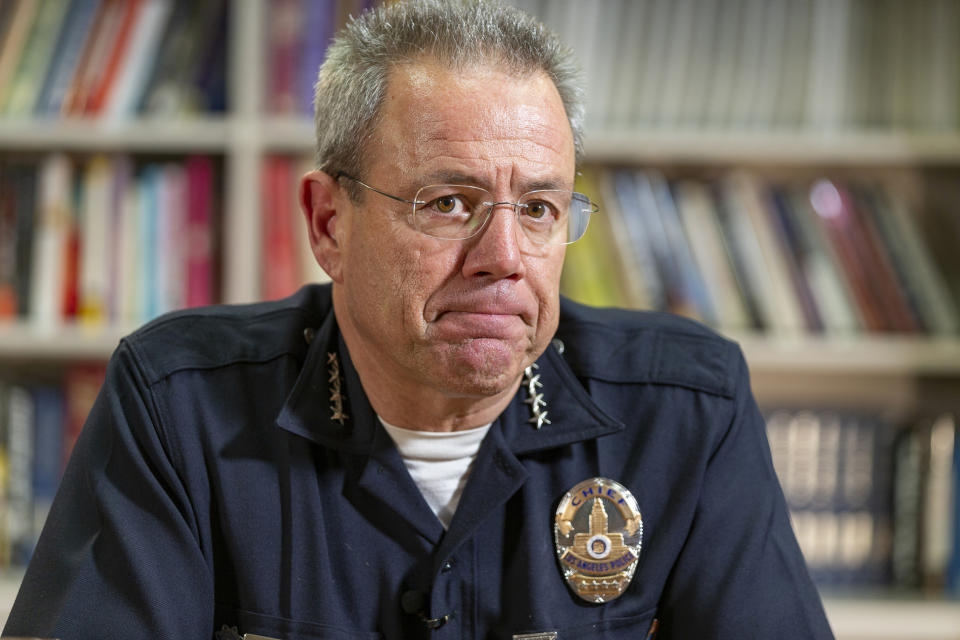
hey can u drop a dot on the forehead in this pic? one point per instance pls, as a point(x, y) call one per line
point(478, 120)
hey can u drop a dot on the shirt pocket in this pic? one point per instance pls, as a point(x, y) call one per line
point(284, 628)
point(631, 627)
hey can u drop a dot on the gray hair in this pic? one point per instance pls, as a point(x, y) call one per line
point(352, 82)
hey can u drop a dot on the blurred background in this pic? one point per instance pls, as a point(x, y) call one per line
point(785, 171)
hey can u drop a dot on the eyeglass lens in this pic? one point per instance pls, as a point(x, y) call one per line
point(459, 211)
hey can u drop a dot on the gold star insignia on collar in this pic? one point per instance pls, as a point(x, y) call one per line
point(336, 395)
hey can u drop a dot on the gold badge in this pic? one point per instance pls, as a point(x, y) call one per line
point(598, 531)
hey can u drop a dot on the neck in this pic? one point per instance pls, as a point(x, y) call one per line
point(403, 401)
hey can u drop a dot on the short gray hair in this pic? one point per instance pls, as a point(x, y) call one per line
point(352, 82)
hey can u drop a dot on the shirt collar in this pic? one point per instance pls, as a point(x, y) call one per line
point(307, 411)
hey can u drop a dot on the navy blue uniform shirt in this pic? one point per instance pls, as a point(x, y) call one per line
point(211, 487)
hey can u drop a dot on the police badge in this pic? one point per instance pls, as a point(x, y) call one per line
point(598, 531)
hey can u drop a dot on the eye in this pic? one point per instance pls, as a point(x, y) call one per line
point(446, 204)
point(539, 210)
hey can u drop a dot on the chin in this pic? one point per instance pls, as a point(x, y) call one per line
point(480, 369)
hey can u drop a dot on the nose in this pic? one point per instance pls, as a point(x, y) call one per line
point(495, 251)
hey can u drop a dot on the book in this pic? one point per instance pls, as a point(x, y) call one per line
point(678, 51)
point(749, 60)
point(627, 85)
point(936, 528)
point(829, 72)
point(127, 235)
point(51, 242)
point(48, 402)
point(722, 79)
point(199, 235)
point(701, 304)
point(835, 470)
point(281, 275)
point(133, 62)
point(627, 202)
point(171, 248)
point(77, 25)
point(913, 263)
point(635, 280)
point(699, 218)
point(95, 216)
point(283, 46)
point(11, 50)
point(827, 281)
point(148, 258)
point(8, 247)
point(27, 81)
point(93, 62)
point(189, 72)
point(109, 69)
point(789, 108)
point(318, 25)
point(795, 252)
point(691, 112)
point(653, 63)
point(839, 226)
point(19, 448)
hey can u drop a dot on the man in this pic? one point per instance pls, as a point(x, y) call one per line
point(436, 446)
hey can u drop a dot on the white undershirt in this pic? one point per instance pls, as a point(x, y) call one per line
point(439, 463)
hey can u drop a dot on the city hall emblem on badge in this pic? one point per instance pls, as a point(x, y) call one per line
point(598, 531)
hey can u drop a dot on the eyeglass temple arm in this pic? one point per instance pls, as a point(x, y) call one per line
point(341, 174)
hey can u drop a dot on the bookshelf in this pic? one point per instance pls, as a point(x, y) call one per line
point(890, 372)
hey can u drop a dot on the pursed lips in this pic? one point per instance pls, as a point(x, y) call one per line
point(484, 319)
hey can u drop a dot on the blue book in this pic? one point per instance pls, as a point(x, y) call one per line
point(690, 279)
point(318, 28)
point(629, 200)
point(148, 270)
point(66, 56)
point(49, 420)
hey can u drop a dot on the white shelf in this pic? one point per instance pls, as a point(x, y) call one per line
point(201, 134)
point(22, 342)
point(761, 147)
point(865, 354)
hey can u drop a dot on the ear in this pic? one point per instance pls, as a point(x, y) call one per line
point(320, 201)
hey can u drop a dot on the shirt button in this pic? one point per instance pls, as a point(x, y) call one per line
point(447, 566)
point(309, 334)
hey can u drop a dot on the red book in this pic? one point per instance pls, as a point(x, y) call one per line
point(120, 48)
point(884, 278)
point(70, 294)
point(280, 270)
point(199, 231)
point(8, 247)
point(92, 60)
point(284, 49)
point(834, 213)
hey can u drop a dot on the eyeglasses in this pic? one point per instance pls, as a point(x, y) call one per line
point(457, 212)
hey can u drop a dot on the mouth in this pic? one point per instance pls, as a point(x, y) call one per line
point(474, 324)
